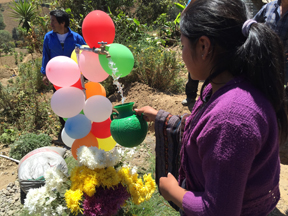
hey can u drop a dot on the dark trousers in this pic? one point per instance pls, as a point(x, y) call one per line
point(191, 88)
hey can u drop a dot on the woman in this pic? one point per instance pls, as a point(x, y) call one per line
point(229, 155)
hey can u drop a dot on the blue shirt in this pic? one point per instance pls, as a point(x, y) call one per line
point(52, 46)
point(270, 14)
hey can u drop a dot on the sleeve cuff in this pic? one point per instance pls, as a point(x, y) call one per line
point(192, 203)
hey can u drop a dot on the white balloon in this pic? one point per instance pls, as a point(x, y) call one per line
point(68, 141)
point(68, 102)
point(97, 108)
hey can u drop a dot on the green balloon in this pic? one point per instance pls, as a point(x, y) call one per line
point(121, 56)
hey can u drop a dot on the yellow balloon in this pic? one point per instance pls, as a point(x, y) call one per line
point(74, 56)
point(106, 144)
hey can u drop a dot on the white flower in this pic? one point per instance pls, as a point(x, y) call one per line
point(131, 152)
point(60, 209)
point(93, 158)
point(54, 178)
point(133, 170)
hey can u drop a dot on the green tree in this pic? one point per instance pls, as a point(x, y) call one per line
point(5, 37)
point(25, 12)
point(15, 34)
point(149, 10)
point(2, 24)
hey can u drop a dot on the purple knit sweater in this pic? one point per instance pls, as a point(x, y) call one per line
point(229, 153)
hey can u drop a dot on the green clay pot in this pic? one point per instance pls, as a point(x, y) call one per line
point(127, 128)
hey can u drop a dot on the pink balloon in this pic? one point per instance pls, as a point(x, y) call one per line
point(68, 102)
point(91, 68)
point(62, 71)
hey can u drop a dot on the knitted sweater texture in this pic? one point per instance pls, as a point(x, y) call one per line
point(229, 154)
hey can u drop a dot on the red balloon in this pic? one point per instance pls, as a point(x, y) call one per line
point(97, 27)
point(78, 84)
point(101, 129)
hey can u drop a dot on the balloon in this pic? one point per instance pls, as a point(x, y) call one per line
point(74, 56)
point(97, 108)
point(68, 141)
point(97, 27)
point(106, 144)
point(121, 56)
point(67, 102)
point(88, 141)
point(62, 71)
point(78, 126)
point(78, 84)
point(65, 119)
point(101, 129)
point(91, 68)
point(93, 88)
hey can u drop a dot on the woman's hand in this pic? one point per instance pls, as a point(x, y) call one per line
point(148, 112)
point(167, 184)
point(171, 191)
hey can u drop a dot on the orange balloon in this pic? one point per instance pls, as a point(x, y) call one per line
point(89, 140)
point(94, 88)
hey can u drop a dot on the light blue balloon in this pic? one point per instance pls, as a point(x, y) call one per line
point(78, 126)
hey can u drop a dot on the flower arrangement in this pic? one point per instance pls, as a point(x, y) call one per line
point(97, 187)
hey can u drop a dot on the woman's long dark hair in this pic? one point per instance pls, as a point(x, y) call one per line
point(259, 56)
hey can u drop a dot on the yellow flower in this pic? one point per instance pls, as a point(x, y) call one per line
point(72, 199)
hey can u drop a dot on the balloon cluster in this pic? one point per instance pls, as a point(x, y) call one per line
point(85, 107)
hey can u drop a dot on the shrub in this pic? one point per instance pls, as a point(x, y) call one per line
point(148, 11)
point(5, 37)
point(27, 143)
point(128, 30)
point(23, 107)
point(2, 24)
point(15, 34)
point(78, 9)
point(159, 69)
point(8, 136)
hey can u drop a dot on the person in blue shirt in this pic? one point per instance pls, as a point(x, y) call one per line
point(191, 89)
point(60, 41)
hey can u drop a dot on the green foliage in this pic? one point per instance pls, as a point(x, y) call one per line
point(78, 9)
point(8, 136)
point(167, 30)
point(27, 143)
point(71, 163)
point(16, 58)
point(25, 12)
point(5, 37)
point(23, 107)
point(157, 205)
point(15, 34)
point(2, 24)
point(148, 11)
point(21, 57)
point(158, 68)
point(127, 29)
